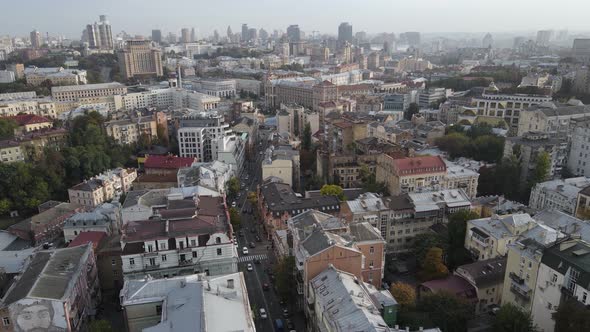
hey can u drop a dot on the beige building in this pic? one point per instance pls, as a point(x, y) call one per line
point(102, 188)
point(10, 152)
point(411, 174)
point(78, 92)
point(139, 58)
point(129, 131)
point(487, 278)
point(583, 204)
point(28, 105)
point(550, 117)
point(56, 75)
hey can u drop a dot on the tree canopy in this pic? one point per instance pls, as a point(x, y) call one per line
point(432, 266)
point(404, 294)
point(332, 190)
point(511, 318)
point(233, 187)
point(457, 254)
point(572, 316)
point(7, 127)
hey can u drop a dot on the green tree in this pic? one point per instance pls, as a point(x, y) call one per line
point(572, 316)
point(285, 278)
point(234, 217)
point(162, 135)
point(332, 190)
point(412, 109)
point(457, 254)
point(432, 266)
point(5, 205)
point(456, 144)
point(369, 182)
point(404, 294)
point(446, 311)
point(422, 243)
point(542, 167)
point(100, 325)
point(233, 187)
point(306, 141)
point(511, 318)
point(253, 198)
point(7, 127)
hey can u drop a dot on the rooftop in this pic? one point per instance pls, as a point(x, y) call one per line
point(431, 200)
point(487, 272)
point(168, 162)
point(564, 256)
point(98, 86)
point(419, 165)
point(28, 119)
point(281, 197)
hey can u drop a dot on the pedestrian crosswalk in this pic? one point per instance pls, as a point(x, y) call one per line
point(244, 259)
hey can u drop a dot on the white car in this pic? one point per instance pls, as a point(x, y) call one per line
point(250, 268)
point(263, 314)
point(245, 250)
point(233, 204)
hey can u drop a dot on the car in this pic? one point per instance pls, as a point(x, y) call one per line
point(260, 153)
point(265, 286)
point(252, 245)
point(245, 251)
point(263, 314)
point(235, 241)
point(285, 313)
point(233, 204)
point(249, 267)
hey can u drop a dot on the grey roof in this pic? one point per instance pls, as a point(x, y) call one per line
point(499, 226)
point(564, 222)
point(487, 272)
point(555, 109)
point(132, 197)
point(87, 218)
point(305, 222)
point(571, 254)
point(316, 242)
point(280, 197)
point(365, 203)
point(399, 202)
point(364, 231)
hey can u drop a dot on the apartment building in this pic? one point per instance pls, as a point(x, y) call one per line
point(57, 291)
point(431, 96)
point(583, 203)
point(11, 152)
point(166, 165)
point(487, 279)
point(187, 236)
point(551, 117)
point(231, 150)
point(13, 106)
point(138, 58)
point(305, 91)
point(105, 218)
point(292, 119)
point(559, 194)
point(198, 134)
point(130, 130)
point(152, 305)
point(102, 188)
point(411, 174)
point(74, 93)
point(282, 162)
point(56, 75)
point(578, 161)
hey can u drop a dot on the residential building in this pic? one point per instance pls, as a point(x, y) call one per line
point(551, 117)
point(143, 204)
point(164, 165)
point(139, 59)
point(56, 75)
point(100, 35)
point(583, 204)
point(488, 238)
point(581, 50)
point(104, 187)
point(172, 304)
point(396, 102)
point(578, 161)
point(528, 147)
point(11, 152)
point(199, 133)
point(15, 104)
point(35, 39)
point(105, 218)
point(411, 174)
point(187, 236)
point(559, 194)
point(487, 278)
point(460, 177)
point(157, 36)
point(282, 162)
point(431, 96)
point(7, 76)
point(136, 128)
point(30, 122)
point(277, 202)
point(304, 91)
point(47, 225)
point(59, 288)
point(347, 169)
point(76, 93)
point(410, 64)
point(562, 276)
point(344, 131)
point(232, 151)
point(212, 175)
point(338, 301)
point(292, 119)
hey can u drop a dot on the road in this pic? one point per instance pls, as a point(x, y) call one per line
point(251, 229)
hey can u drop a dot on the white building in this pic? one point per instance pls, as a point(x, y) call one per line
point(212, 175)
point(557, 194)
point(231, 150)
point(6, 76)
point(579, 160)
point(105, 218)
point(56, 75)
point(461, 176)
point(187, 303)
point(222, 88)
point(199, 134)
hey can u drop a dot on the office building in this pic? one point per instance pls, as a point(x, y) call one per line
point(544, 37)
point(185, 36)
point(344, 33)
point(56, 75)
point(139, 58)
point(7, 76)
point(199, 133)
point(293, 33)
point(157, 36)
point(410, 38)
point(76, 92)
point(245, 32)
point(99, 35)
point(35, 39)
point(581, 50)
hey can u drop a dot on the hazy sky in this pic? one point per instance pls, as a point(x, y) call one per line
point(69, 17)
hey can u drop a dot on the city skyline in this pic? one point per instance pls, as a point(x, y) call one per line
point(380, 16)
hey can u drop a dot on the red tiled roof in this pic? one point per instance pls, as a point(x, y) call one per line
point(419, 165)
point(27, 119)
point(85, 237)
point(168, 162)
point(343, 125)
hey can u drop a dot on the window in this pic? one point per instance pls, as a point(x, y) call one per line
point(164, 258)
point(218, 240)
point(158, 310)
point(371, 264)
point(371, 250)
point(553, 278)
point(193, 243)
point(181, 244)
point(6, 321)
point(75, 232)
point(219, 252)
point(115, 273)
point(584, 297)
point(194, 254)
point(150, 248)
point(131, 261)
point(152, 261)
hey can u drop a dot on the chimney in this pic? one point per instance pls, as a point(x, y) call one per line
point(230, 283)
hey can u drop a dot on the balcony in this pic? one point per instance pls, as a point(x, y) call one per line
point(185, 262)
point(151, 254)
point(185, 249)
point(516, 278)
point(152, 267)
point(522, 291)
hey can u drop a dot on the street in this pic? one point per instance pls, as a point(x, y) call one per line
point(260, 285)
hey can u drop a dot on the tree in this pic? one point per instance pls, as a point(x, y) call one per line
point(541, 170)
point(285, 278)
point(571, 316)
point(433, 266)
point(332, 190)
point(7, 127)
point(446, 311)
point(404, 294)
point(511, 318)
point(162, 133)
point(412, 109)
point(252, 198)
point(234, 217)
point(422, 243)
point(100, 325)
point(369, 181)
point(233, 187)
point(455, 144)
point(306, 141)
point(457, 254)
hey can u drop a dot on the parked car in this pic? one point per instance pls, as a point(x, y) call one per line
point(252, 245)
point(263, 314)
point(265, 286)
point(233, 204)
point(245, 251)
point(285, 313)
point(249, 267)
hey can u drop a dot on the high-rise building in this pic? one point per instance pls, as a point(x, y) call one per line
point(581, 49)
point(252, 34)
point(100, 35)
point(172, 38)
point(544, 37)
point(157, 36)
point(185, 36)
point(293, 33)
point(344, 33)
point(193, 35)
point(262, 34)
point(487, 41)
point(139, 58)
point(410, 38)
point(35, 39)
point(230, 33)
point(245, 32)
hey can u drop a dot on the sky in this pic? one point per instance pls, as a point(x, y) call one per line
point(69, 17)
